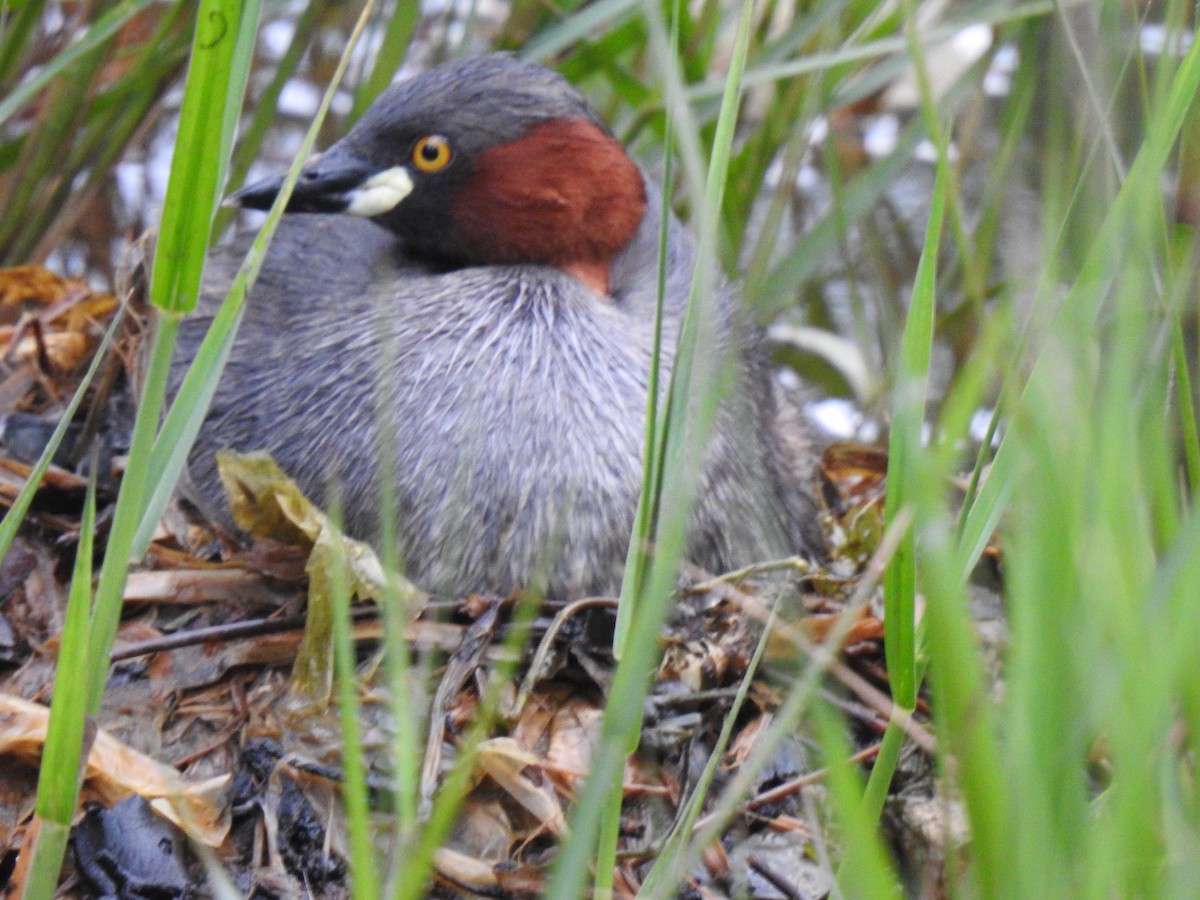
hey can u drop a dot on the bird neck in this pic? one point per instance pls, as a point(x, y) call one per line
point(564, 194)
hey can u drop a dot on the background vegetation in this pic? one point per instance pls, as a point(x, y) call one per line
point(1048, 246)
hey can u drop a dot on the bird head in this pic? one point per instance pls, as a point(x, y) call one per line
point(483, 161)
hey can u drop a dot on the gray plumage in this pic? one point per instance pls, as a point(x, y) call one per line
point(512, 398)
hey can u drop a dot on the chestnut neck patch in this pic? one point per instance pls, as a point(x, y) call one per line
point(564, 194)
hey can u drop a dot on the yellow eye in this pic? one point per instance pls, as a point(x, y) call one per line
point(431, 153)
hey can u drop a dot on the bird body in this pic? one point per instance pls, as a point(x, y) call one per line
point(504, 380)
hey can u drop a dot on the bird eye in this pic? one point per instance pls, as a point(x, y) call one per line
point(431, 153)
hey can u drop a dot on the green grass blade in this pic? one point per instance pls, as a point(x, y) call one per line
point(692, 377)
point(666, 872)
point(42, 154)
point(871, 875)
point(905, 448)
point(364, 877)
point(396, 38)
point(904, 454)
point(58, 781)
point(102, 29)
point(168, 457)
point(576, 28)
point(47, 853)
point(969, 744)
point(637, 561)
point(15, 27)
point(414, 864)
point(16, 513)
point(969, 749)
point(1083, 300)
point(216, 82)
point(97, 139)
point(61, 770)
point(106, 614)
point(250, 137)
point(777, 291)
point(173, 280)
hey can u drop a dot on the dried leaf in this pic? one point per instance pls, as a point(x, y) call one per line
point(64, 350)
point(865, 628)
point(463, 870)
point(854, 469)
point(503, 760)
point(115, 770)
point(268, 504)
point(31, 284)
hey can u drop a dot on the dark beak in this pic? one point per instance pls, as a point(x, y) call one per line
point(336, 182)
point(323, 187)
